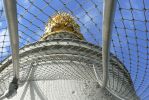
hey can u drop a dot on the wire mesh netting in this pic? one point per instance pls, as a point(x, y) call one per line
point(129, 40)
point(31, 24)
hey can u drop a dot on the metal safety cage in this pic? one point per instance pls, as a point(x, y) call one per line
point(126, 46)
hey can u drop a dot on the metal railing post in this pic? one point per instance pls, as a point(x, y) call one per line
point(108, 16)
point(11, 15)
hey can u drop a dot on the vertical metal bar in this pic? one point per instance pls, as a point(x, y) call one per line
point(109, 8)
point(2, 97)
point(32, 91)
point(11, 15)
point(25, 91)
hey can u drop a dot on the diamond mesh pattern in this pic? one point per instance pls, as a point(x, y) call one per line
point(129, 41)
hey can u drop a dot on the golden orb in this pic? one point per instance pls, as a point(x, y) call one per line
point(62, 22)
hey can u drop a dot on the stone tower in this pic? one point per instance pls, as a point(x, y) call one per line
point(64, 66)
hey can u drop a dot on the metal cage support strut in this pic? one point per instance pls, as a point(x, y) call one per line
point(11, 15)
point(109, 9)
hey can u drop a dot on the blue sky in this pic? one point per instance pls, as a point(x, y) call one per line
point(91, 28)
point(132, 50)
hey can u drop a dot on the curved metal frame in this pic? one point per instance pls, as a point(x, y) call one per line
point(109, 8)
point(11, 15)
